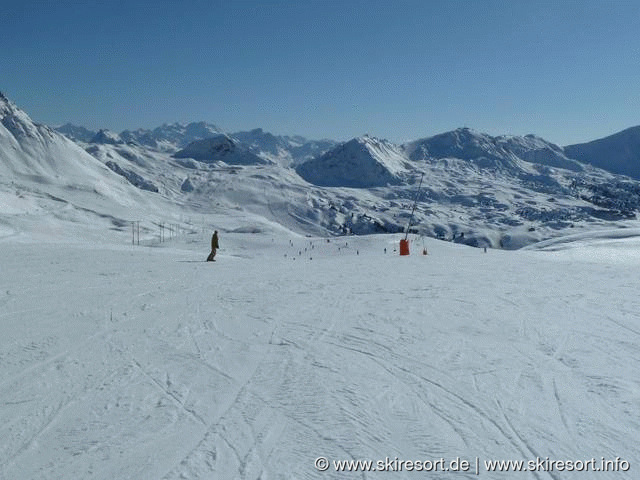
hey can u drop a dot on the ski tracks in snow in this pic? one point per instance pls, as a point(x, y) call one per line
point(255, 367)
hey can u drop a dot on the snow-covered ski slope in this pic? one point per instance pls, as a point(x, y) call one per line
point(145, 362)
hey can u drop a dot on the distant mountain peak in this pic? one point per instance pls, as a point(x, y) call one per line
point(463, 143)
point(499, 153)
point(18, 123)
point(219, 148)
point(6, 105)
point(3, 100)
point(362, 162)
point(76, 132)
point(108, 137)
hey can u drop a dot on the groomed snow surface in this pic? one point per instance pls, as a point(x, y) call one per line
point(145, 362)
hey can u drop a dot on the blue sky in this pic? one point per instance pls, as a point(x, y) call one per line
point(568, 71)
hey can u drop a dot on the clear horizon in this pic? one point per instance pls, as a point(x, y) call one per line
point(565, 72)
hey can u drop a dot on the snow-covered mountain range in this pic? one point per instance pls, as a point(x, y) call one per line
point(285, 150)
point(504, 191)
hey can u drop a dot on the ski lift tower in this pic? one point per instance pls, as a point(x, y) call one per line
point(404, 243)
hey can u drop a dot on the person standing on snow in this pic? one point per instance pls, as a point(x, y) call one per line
point(214, 246)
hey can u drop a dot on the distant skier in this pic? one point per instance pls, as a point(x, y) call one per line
point(214, 246)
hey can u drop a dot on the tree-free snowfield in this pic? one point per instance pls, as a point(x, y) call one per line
point(148, 363)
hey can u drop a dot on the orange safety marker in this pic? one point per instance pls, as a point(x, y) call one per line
point(404, 247)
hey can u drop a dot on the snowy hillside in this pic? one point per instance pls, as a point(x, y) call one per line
point(36, 154)
point(363, 162)
point(49, 184)
point(149, 363)
point(618, 153)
